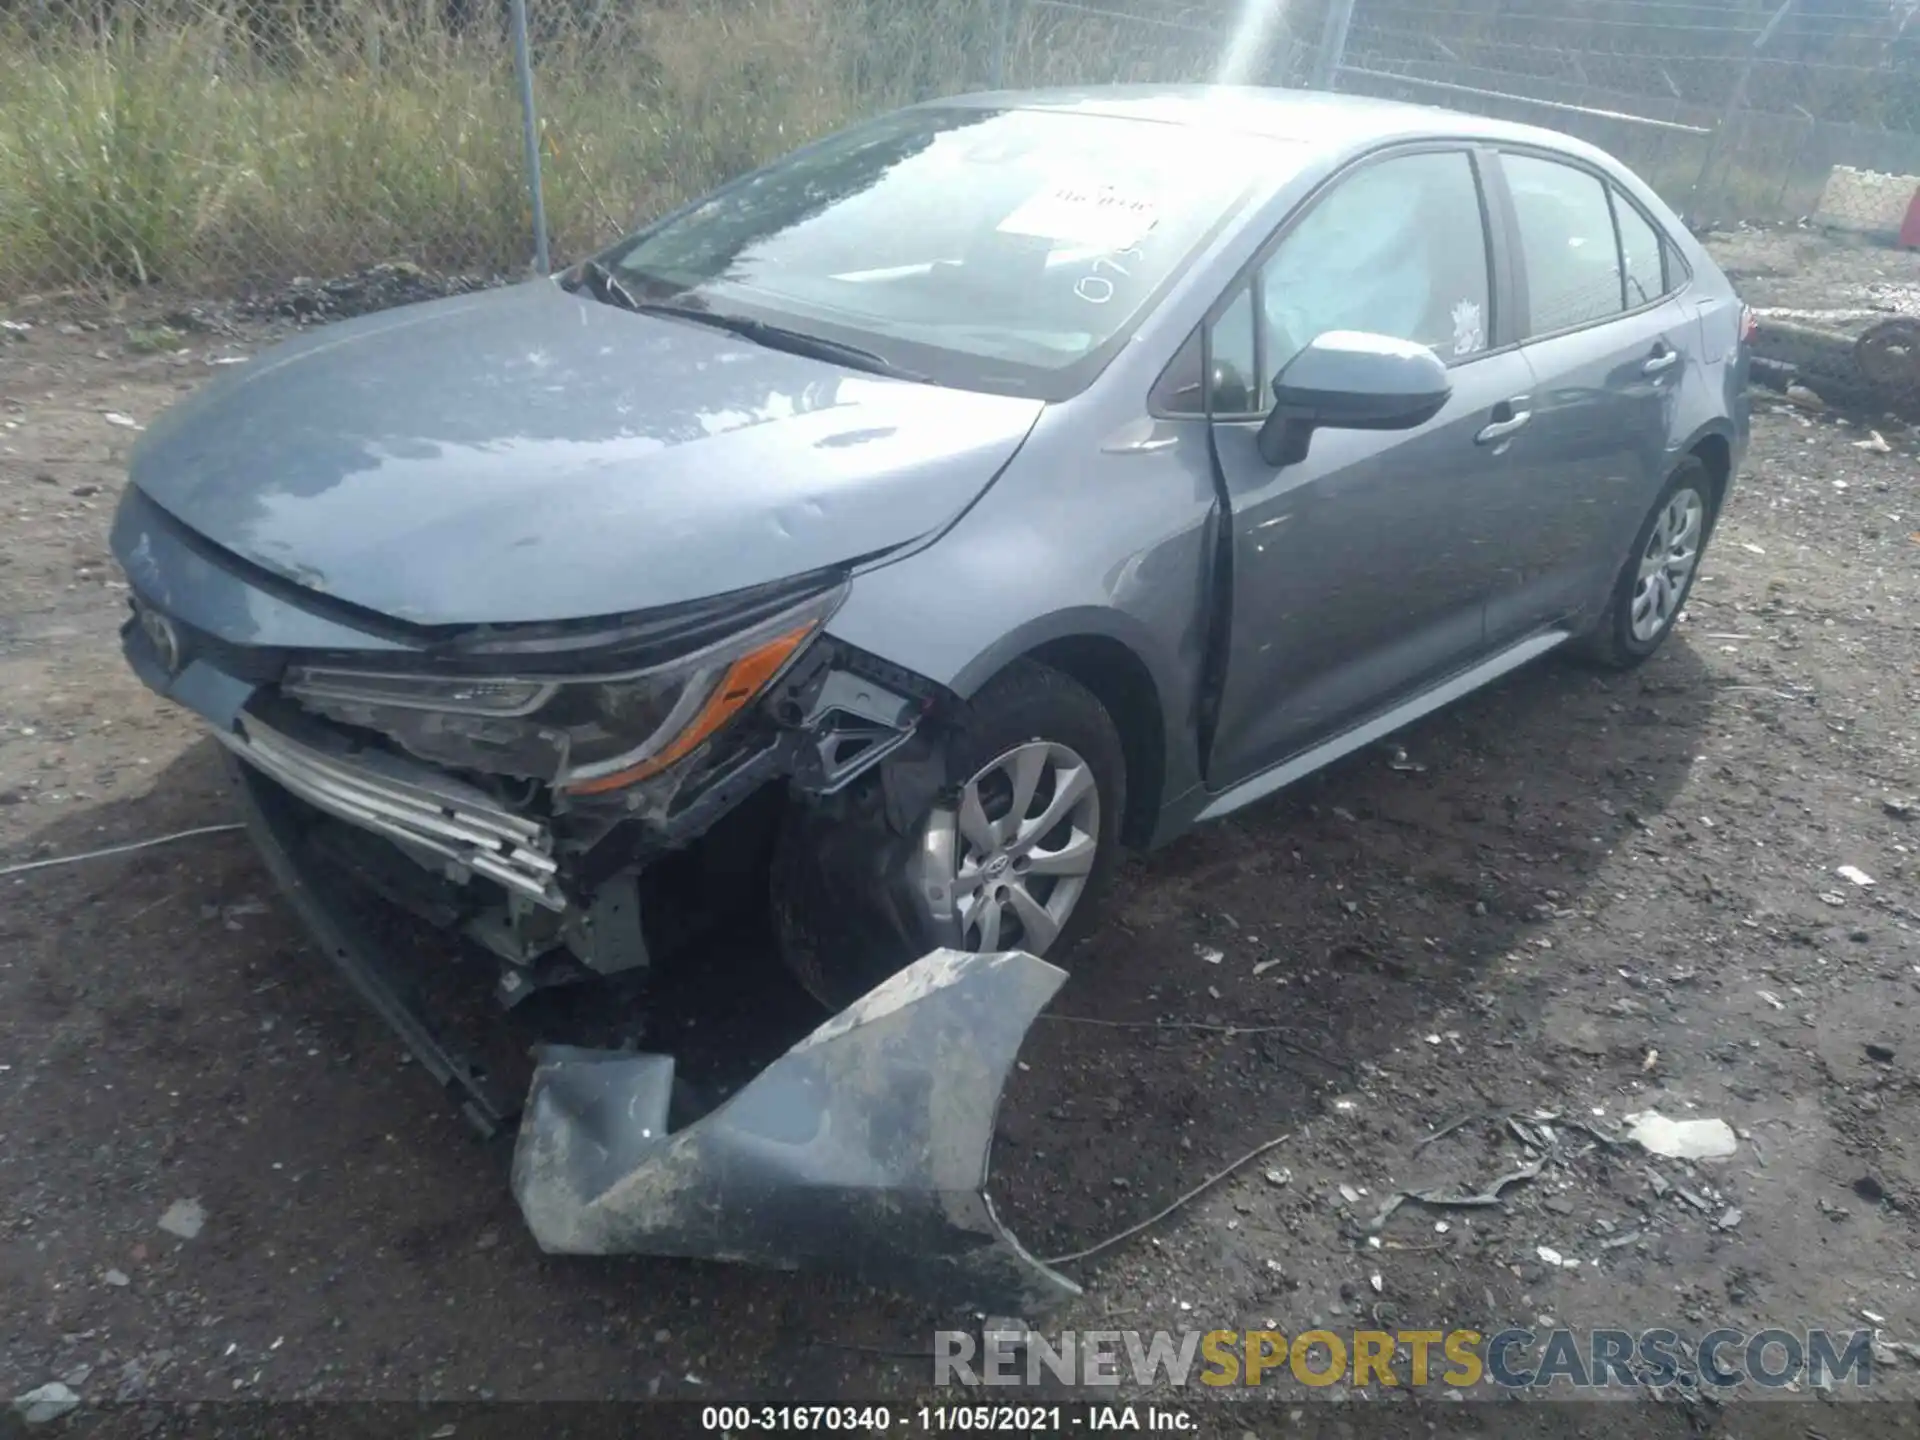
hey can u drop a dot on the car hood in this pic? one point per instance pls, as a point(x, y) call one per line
point(527, 454)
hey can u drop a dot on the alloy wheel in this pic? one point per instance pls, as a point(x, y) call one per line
point(1015, 851)
point(1666, 565)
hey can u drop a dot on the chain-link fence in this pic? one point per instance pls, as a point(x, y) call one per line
point(217, 145)
point(1734, 109)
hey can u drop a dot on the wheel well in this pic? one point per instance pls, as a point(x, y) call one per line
point(1716, 454)
point(1119, 680)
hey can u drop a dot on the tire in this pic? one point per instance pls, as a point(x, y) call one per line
point(847, 887)
point(1623, 637)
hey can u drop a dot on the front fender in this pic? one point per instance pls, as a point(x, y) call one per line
point(1087, 536)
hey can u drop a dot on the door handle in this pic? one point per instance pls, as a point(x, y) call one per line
point(1507, 419)
point(1662, 359)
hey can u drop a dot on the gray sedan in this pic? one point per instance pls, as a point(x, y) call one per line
point(907, 526)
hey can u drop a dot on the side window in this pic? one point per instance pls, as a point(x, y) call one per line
point(1398, 248)
point(1237, 386)
point(1642, 254)
point(1221, 375)
point(1566, 241)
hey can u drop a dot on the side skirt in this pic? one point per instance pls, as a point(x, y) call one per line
point(1258, 787)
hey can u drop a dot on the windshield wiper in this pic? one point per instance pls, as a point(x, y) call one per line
point(779, 337)
point(599, 281)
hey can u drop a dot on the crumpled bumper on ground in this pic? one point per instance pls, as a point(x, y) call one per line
point(863, 1149)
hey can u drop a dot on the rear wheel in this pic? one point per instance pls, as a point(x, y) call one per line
point(1652, 587)
point(1013, 854)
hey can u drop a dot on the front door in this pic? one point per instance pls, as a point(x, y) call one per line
point(1361, 574)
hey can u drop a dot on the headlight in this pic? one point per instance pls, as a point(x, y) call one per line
point(585, 734)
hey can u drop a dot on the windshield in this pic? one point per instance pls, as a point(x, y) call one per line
point(1007, 250)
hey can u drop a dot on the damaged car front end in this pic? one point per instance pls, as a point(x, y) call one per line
point(404, 726)
point(517, 786)
point(541, 612)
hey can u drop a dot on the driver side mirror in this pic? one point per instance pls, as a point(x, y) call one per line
point(1349, 380)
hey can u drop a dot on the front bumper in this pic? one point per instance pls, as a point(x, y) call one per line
point(864, 1149)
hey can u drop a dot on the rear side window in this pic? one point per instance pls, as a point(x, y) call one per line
point(1574, 274)
point(1642, 255)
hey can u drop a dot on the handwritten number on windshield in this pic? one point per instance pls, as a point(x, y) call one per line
point(1094, 287)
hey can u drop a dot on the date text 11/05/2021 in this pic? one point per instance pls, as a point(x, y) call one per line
point(945, 1419)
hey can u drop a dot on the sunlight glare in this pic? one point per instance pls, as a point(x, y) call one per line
point(1259, 20)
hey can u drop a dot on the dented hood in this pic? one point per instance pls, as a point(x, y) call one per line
point(526, 454)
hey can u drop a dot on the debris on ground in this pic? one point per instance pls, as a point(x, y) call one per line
point(1681, 1139)
point(184, 1218)
point(1445, 1197)
point(105, 852)
point(377, 287)
point(1854, 874)
point(47, 1403)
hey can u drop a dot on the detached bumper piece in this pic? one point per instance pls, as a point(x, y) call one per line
point(451, 822)
point(863, 1149)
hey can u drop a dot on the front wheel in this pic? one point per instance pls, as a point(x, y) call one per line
point(1013, 854)
point(1652, 587)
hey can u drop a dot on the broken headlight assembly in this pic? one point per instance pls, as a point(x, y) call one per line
point(586, 733)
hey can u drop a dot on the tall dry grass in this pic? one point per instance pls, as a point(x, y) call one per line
point(174, 151)
point(202, 146)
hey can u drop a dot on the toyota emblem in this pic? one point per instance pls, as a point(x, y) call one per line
point(165, 639)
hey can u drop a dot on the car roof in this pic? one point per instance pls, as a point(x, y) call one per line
point(1329, 122)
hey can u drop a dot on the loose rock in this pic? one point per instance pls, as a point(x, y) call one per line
point(184, 1218)
point(46, 1403)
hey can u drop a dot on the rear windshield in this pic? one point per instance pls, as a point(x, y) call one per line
point(1008, 250)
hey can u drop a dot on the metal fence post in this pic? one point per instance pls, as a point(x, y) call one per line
point(530, 125)
point(1002, 23)
point(1736, 102)
point(1333, 43)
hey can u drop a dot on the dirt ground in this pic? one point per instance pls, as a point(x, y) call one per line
point(1569, 897)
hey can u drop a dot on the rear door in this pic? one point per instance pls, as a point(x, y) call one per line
point(1359, 575)
point(1607, 341)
